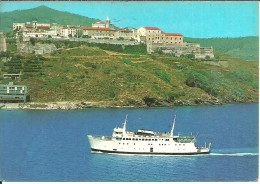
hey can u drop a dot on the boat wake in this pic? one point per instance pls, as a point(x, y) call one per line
point(233, 154)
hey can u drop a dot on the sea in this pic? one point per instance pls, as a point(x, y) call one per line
point(52, 145)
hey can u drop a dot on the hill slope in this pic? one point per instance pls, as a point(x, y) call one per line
point(91, 74)
point(42, 14)
point(246, 48)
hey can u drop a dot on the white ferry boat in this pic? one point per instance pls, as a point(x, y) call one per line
point(146, 142)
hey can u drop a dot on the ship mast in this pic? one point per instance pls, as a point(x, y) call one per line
point(173, 126)
point(124, 125)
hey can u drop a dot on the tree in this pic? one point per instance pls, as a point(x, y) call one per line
point(32, 40)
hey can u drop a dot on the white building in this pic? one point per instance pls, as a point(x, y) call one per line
point(18, 26)
point(102, 24)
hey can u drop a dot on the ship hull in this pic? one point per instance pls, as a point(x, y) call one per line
point(147, 153)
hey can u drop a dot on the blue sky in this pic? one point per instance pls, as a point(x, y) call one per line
point(192, 19)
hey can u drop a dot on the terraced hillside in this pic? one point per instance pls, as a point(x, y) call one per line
point(90, 74)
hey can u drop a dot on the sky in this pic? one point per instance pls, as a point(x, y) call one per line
point(192, 19)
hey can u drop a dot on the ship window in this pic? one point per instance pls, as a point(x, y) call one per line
point(164, 144)
point(179, 144)
point(123, 143)
point(133, 139)
point(155, 139)
point(139, 139)
point(123, 138)
point(142, 139)
point(159, 144)
point(146, 139)
point(149, 139)
point(152, 139)
point(126, 139)
point(136, 139)
point(119, 143)
point(127, 143)
point(166, 139)
point(130, 139)
point(183, 144)
point(175, 144)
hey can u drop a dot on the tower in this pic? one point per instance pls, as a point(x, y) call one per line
point(35, 24)
point(107, 23)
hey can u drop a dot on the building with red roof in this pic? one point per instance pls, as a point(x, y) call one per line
point(43, 27)
point(97, 28)
point(156, 35)
point(151, 28)
point(124, 34)
point(173, 34)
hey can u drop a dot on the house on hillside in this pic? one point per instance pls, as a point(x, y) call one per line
point(11, 93)
point(124, 34)
point(156, 35)
point(98, 32)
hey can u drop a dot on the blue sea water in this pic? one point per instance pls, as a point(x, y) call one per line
point(52, 145)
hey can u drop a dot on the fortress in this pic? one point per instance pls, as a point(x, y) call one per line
point(153, 37)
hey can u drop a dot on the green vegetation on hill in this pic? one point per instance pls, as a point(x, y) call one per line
point(87, 73)
point(42, 14)
point(246, 48)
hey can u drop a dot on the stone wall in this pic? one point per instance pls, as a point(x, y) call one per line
point(89, 40)
point(182, 49)
point(2, 43)
point(37, 48)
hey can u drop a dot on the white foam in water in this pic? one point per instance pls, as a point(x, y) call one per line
point(233, 154)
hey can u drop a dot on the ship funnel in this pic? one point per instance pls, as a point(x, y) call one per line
point(173, 126)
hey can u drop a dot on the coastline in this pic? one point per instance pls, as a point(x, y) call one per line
point(84, 105)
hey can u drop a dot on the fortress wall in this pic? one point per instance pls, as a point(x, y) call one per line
point(2, 43)
point(183, 49)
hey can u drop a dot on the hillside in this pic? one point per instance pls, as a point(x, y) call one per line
point(246, 48)
point(42, 14)
point(85, 73)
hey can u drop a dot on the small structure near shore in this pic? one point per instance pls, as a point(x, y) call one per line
point(11, 93)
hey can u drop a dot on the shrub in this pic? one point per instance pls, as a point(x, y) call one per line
point(32, 41)
point(162, 75)
point(128, 62)
point(207, 58)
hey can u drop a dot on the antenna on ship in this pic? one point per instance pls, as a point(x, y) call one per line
point(173, 125)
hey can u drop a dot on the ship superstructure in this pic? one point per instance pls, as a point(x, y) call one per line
point(146, 142)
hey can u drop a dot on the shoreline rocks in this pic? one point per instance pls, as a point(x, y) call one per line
point(85, 105)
